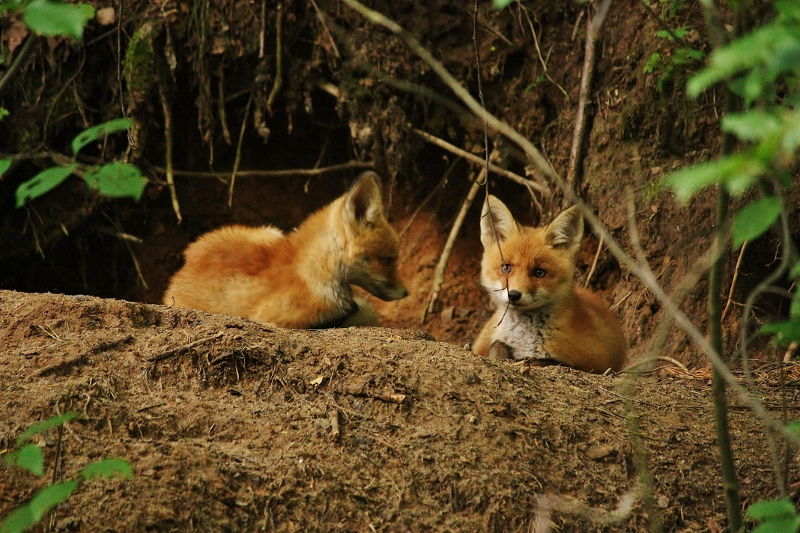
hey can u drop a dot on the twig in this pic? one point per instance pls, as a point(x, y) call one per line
point(321, 17)
point(594, 263)
point(175, 351)
point(539, 53)
point(472, 158)
point(19, 61)
point(238, 158)
point(663, 24)
point(276, 86)
point(127, 239)
point(438, 276)
point(789, 352)
point(643, 362)
point(641, 271)
point(733, 282)
point(576, 152)
point(288, 173)
point(165, 105)
point(427, 199)
point(223, 118)
point(263, 31)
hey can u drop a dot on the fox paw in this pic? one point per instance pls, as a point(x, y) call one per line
point(500, 351)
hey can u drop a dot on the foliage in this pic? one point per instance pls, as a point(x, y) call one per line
point(668, 65)
point(763, 69)
point(52, 18)
point(115, 180)
point(30, 457)
point(775, 516)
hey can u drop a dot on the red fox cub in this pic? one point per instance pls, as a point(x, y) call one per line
point(302, 279)
point(540, 313)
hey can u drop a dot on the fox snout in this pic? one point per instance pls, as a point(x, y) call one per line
point(386, 291)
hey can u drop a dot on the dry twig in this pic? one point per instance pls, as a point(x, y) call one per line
point(175, 351)
point(438, 276)
point(288, 173)
point(576, 152)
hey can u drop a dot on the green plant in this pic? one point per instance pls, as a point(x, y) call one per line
point(51, 18)
point(115, 180)
point(775, 516)
point(667, 65)
point(761, 71)
point(31, 458)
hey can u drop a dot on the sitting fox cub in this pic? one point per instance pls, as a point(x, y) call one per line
point(540, 313)
point(299, 280)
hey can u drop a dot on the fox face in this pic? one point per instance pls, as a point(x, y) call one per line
point(528, 268)
point(372, 244)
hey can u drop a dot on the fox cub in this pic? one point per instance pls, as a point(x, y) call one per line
point(540, 313)
point(302, 279)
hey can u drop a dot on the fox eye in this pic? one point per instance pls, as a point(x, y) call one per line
point(386, 261)
point(505, 268)
point(538, 272)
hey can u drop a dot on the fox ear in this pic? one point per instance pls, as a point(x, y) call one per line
point(504, 223)
point(566, 231)
point(363, 204)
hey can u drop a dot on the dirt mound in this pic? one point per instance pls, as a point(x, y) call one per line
point(237, 426)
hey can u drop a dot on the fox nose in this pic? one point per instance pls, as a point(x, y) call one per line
point(514, 296)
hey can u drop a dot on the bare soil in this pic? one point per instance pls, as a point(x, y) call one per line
point(237, 426)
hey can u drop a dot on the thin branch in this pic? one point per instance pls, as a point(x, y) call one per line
point(576, 152)
point(19, 62)
point(472, 158)
point(594, 263)
point(733, 282)
point(276, 87)
point(287, 173)
point(165, 106)
point(643, 272)
point(238, 159)
point(438, 276)
point(539, 53)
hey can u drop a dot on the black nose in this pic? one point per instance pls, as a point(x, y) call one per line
point(514, 295)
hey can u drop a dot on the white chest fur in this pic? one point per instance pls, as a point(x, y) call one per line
point(525, 334)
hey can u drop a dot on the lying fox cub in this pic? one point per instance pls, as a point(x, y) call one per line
point(302, 279)
point(541, 314)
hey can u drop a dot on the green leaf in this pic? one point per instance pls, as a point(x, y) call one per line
point(117, 180)
point(18, 521)
point(652, 63)
point(49, 497)
point(768, 509)
point(780, 525)
point(752, 221)
point(737, 172)
point(87, 10)
point(742, 54)
point(794, 427)
point(5, 164)
point(29, 457)
point(44, 425)
point(50, 18)
point(42, 183)
point(785, 332)
point(108, 468)
point(95, 132)
point(752, 125)
point(500, 4)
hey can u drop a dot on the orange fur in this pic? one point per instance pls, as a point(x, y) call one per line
point(540, 313)
point(302, 279)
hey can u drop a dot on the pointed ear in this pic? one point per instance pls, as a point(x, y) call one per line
point(566, 231)
point(504, 223)
point(363, 204)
